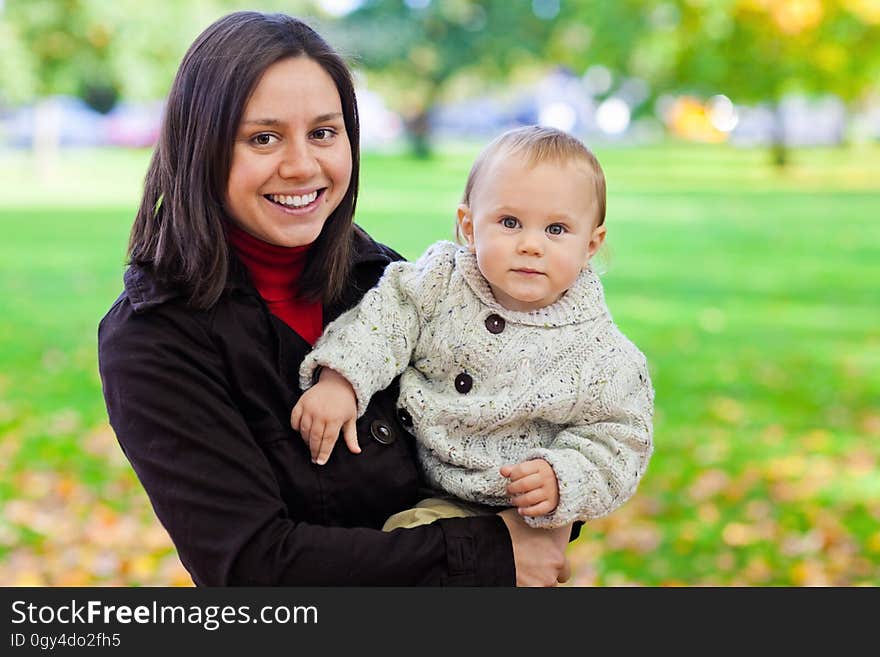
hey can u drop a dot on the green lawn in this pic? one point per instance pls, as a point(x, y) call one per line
point(753, 293)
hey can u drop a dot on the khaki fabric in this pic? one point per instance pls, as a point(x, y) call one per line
point(431, 509)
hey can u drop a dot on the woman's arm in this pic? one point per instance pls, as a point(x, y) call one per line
point(215, 491)
point(539, 554)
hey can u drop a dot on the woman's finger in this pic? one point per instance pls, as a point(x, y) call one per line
point(565, 573)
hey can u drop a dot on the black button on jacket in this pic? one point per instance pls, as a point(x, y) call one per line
point(200, 402)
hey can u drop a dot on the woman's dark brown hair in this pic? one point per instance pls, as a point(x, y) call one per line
point(179, 229)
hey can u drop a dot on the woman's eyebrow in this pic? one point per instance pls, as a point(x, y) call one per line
point(262, 122)
point(330, 116)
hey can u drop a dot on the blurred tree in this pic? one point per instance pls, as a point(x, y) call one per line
point(421, 46)
point(99, 51)
point(17, 77)
point(66, 47)
point(748, 50)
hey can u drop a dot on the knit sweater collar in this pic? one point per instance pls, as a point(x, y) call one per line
point(582, 302)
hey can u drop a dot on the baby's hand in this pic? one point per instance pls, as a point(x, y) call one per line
point(323, 410)
point(533, 488)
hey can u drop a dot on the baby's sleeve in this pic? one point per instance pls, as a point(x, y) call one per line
point(373, 342)
point(600, 459)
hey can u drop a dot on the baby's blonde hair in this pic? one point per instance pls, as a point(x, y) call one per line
point(539, 144)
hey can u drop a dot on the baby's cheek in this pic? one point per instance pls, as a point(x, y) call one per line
point(487, 262)
point(568, 273)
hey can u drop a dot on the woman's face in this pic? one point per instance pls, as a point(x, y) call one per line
point(291, 161)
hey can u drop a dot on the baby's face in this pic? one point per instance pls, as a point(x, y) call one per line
point(532, 229)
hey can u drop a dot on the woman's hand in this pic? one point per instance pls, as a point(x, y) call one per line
point(325, 409)
point(538, 554)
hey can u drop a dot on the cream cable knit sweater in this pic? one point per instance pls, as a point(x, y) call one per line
point(561, 383)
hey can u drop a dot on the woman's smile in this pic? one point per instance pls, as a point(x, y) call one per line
point(294, 203)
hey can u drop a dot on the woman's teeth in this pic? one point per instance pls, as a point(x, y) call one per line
point(293, 201)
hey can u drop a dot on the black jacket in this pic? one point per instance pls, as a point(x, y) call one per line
point(200, 402)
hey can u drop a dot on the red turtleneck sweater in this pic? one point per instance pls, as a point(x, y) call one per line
point(275, 272)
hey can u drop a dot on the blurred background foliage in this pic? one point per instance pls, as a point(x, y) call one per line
point(741, 141)
point(418, 53)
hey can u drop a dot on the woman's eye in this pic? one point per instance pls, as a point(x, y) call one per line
point(323, 134)
point(263, 139)
point(556, 229)
point(509, 222)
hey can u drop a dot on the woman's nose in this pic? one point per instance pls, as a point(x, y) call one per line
point(298, 161)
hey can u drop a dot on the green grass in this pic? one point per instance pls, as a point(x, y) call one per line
point(753, 293)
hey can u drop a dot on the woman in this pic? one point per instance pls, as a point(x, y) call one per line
point(243, 248)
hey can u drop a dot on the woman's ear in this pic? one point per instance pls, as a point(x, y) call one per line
point(597, 239)
point(466, 225)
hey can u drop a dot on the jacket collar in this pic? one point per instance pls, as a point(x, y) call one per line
point(145, 291)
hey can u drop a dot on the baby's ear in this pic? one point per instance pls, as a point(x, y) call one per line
point(466, 225)
point(597, 239)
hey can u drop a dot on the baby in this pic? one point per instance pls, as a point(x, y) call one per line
point(517, 385)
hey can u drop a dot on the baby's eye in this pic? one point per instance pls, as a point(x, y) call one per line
point(263, 139)
point(510, 222)
point(556, 229)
